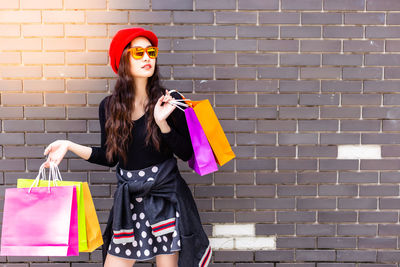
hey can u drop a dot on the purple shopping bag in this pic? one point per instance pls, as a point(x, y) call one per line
point(203, 160)
point(42, 222)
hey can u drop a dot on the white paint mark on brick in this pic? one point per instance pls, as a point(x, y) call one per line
point(359, 152)
point(255, 243)
point(234, 230)
point(221, 243)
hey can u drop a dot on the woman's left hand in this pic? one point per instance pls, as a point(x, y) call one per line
point(161, 112)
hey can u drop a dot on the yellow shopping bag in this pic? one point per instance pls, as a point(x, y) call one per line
point(93, 231)
point(83, 245)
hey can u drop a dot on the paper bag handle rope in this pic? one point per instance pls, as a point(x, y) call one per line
point(42, 174)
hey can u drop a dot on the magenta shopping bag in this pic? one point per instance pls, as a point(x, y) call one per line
point(203, 160)
point(42, 222)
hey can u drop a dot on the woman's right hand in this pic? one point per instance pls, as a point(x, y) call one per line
point(56, 151)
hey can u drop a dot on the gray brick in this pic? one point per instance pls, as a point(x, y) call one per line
point(388, 230)
point(341, 86)
point(333, 112)
point(255, 164)
point(296, 242)
point(343, 32)
point(258, 31)
point(238, 99)
point(390, 177)
point(277, 73)
point(362, 203)
point(277, 99)
point(378, 190)
point(317, 151)
point(213, 58)
point(388, 5)
point(362, 73)
point(66, 126)
point(312, 203)
point(275, 178)
point(337, 164)
point(296, 216)
point(300, 59)
point(389, 256)
point(318, 125)
point(11, 112)
point(216, 217)
point(356, 256)
point(193, 17)
point(279, 18)
point(301, 4)
point(390, 151)
point(300, 138)
point(364, 18)
point(320, 73)
point(257, 86)
point(393, 19)
point(258, 5)
point(342, 139)
point(377, 243)
point(255, 191)
point(276, 125)
point(236, 18)
point(236, 45)
point(210, 4)
point(301, 190)
point(232, 204)
point(344, 5)
point(392, 45)
point(275, 229)
point(378, 217)
point(233, 256)
point(388, 203)
point(315, 255)
point(320, 46)
point(315, 229)
point(215, 31)
point(193, 45)
point(172, 5)
point(319, 99)
point(274, 203)
point(257, 59)
point(357, 229)
point(298, 113)
point(321, 18)
point(174, 58)
point(173, 31)
point(258, 113)
point(255, 216)
point(214, 86)
point(360, 125)
point(342, 60)
point(363, 46)
point(338, 190)
point(382, 32)
point(337, 216)
point(337, 242)
point(385, 138)
point(193, 72)
point(300, 31)
point(118, 4)
point(12, 138)
point(278, 45)
point(381, 86)
point(274, 151)
point(23, 125)
point(392, 73)
point(150, 17)
point(299, 86)
point(235, 72)
point(276, 255)
point(382, 60)
point(316, 177)
point(213, 191)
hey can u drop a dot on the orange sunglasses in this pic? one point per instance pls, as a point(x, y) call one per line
point(138, 52)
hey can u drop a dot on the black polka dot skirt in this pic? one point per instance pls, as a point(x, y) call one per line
point(145, 246)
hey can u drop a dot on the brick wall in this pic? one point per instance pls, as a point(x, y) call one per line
point(306, 91)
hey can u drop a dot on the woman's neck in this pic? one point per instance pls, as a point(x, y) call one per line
point(140, 91)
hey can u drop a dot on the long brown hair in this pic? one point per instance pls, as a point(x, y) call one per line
point(119, 109)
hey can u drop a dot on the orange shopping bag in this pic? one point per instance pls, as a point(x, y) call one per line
point(93, 231)
point(213, 130)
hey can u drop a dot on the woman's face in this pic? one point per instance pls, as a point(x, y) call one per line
point(144, 67)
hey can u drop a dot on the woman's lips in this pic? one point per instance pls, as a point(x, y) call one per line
point(146, 67)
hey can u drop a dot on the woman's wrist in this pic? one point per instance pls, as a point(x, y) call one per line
point(163, 125)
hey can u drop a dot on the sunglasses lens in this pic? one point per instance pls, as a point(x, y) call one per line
point(138, 52)
point(152, 52)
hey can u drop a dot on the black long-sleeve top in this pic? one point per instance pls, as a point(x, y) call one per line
point(140, 155)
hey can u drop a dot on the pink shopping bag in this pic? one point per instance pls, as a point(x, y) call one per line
point(42, 221)
point(202, 161)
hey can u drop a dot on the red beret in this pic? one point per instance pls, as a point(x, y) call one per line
point(122, 38)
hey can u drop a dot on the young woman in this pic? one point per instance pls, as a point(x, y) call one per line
point(154, 214)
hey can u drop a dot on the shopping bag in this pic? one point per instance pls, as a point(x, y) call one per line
point(56, 176)
point(212, 128)
point(202, 161)
point(93, 231)
point(40, 221)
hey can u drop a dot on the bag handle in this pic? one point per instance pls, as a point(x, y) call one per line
point(42, 174)
point(178, 102)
